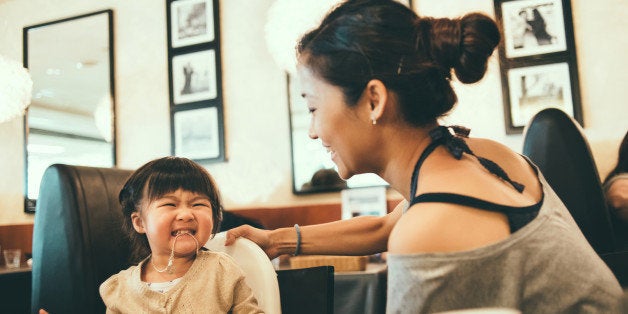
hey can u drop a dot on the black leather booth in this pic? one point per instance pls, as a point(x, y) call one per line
point(558, 146)
point(77, 238)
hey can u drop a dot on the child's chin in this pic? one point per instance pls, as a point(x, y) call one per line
point(185, 252)
point(185, 248)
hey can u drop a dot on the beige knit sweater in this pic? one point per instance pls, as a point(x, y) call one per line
point(213, 284)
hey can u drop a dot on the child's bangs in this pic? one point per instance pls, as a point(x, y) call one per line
point(164, 182)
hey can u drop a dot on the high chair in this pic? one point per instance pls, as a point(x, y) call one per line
point(260, 273)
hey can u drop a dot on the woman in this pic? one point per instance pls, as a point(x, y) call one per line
point(474, 232)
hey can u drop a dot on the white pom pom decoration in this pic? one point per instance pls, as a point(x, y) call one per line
point(287, 21)
point(16, 87)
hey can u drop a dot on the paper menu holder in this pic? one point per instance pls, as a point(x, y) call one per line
point(369, 201)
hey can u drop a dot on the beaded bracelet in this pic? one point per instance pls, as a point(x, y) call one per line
point(298, 247)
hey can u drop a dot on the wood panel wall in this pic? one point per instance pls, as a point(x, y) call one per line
point(278, 217)
point(17, 237)
point(21, 236)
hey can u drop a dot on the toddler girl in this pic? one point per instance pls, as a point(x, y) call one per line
point(171, 207)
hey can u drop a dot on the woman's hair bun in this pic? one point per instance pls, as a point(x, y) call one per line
point(464, 44)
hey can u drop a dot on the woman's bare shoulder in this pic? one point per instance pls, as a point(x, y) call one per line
point(436, 227)
point(491, 148)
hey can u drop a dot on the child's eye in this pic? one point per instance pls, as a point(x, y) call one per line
point(201, 205)
point(168, 205)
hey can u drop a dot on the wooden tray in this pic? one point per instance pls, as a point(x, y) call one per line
point(340, 263)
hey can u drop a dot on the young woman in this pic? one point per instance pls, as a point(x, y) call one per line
point(480, 226)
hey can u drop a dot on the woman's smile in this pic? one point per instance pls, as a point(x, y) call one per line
point(332, 153)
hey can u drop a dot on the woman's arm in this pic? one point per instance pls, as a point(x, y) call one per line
point(356, 236)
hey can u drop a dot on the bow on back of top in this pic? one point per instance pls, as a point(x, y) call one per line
point(452, 137)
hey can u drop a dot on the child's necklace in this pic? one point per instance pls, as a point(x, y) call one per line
point(170, 267)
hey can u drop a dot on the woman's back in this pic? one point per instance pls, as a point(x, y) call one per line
point(546, 266)
point(435, 226)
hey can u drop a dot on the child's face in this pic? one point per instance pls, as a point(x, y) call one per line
point(176, 212)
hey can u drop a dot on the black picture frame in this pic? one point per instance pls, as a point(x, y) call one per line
point(198, 135)
point(191, 22)
point(195, 80)
point(538, 62)
point(194, 77)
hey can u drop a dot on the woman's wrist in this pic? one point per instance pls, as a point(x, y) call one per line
point(284, 240)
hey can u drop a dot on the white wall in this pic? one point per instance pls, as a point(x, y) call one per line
point(256, 118)
point(601, 47)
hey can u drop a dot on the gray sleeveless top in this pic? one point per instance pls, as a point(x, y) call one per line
point(546, 266)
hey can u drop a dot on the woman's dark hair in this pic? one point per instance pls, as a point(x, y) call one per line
point(622, 159)
point(361, 40)
point(157, 178)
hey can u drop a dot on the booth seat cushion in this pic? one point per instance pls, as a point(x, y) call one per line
point(77, 238)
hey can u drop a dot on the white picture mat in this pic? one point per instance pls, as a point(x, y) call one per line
point(196, 133)
point(369, 201)
point(194, 77)
point(192, 22)
point(535, 88)
point(519, 36)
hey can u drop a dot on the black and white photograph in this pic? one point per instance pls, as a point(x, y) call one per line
point(535, 88)
point(194, 77)
point(197, 133)
point(533, 27)
point(192, 22)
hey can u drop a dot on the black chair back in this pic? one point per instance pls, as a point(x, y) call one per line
point(15, 291)
point(307, 290)
point(557, 145)
point(77, 238)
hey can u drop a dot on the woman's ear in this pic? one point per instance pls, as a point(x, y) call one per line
point(138, 225)
point(377, 95)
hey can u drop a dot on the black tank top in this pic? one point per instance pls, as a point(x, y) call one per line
point(453, 139)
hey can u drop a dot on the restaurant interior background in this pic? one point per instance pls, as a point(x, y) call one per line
point(257, 172)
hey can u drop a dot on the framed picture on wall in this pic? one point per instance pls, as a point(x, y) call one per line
point(533, 27)
point(537, 59)
point(535, 88)
point(198, 134)
point(194, 76)
point(191, 22)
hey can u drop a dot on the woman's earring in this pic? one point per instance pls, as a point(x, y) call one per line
point(374, 121)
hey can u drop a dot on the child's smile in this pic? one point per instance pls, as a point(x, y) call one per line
point(179, 232)
point(179, 220)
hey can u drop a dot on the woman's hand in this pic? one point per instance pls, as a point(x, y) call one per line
point(259, 236)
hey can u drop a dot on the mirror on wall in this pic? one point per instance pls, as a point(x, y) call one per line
point(313, 170)
point(71, 116)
